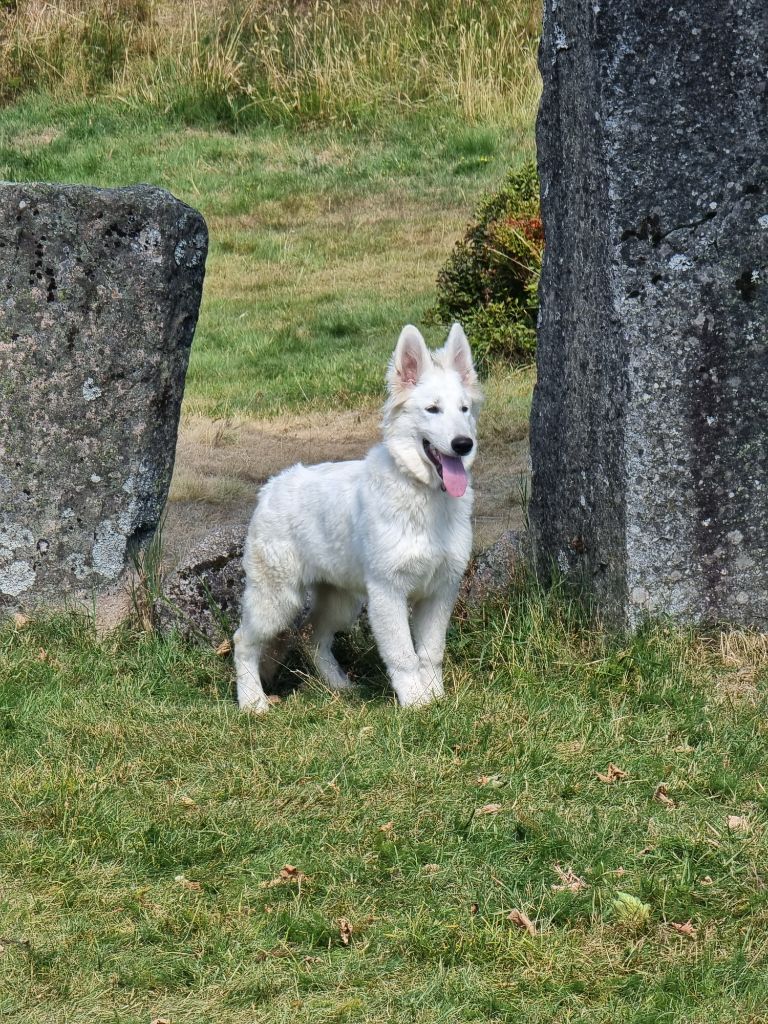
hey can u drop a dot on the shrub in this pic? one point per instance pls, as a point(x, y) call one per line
point(490, 282)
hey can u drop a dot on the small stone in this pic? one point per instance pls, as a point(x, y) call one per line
point(201, 597)
point(492, 572)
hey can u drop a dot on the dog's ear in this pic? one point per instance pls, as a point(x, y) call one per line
point(459, 355)
point(410, 359)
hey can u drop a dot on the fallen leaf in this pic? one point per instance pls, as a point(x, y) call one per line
point(19, 620)
point(161, 1020)
point(431, 869)
point(738, 823)
point(645, 851)
point(187, 801)
point(521, 919)
point(45, 657)
point(473, 908)
point(345, 930)
point(488, 809)
point(388, 827)
point(612, 774)
point(630, 911)
point(686, 929)
point(288, 873)
point(569, 881)
point(225, 647)
point(706, 880)
point(619, 872)
point(661, 795)
point(494, 781)
point(188, 883)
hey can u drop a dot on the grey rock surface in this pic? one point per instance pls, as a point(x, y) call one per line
point(201, 597)
point(650, 417)
point(99, 296)
point(492, 572)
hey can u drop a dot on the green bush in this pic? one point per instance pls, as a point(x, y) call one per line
point(490, 282)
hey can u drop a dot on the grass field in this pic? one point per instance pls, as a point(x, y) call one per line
point(323, 242)
point(165, 858)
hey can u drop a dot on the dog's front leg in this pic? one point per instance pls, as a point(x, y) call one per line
point(430, 624)
point(388, 615)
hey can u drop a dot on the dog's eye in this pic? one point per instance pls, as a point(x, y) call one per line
point(433, 408)
point(465, 408)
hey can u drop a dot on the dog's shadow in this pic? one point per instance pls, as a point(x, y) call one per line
point(357, 655)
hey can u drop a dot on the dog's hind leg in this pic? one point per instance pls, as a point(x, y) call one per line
point(272, 599)
point(274, 654)
point(333, 611)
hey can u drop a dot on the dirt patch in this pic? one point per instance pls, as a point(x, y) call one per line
point(27, 141)
point(220, 465)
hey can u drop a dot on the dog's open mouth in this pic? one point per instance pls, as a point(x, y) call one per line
point(449, 468)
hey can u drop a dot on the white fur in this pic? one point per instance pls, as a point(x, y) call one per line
point(380, 530)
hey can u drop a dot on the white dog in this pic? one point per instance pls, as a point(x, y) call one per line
point(392, 529)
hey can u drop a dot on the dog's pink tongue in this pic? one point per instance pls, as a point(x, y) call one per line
point(454, 476)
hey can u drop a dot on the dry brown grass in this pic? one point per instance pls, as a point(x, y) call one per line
point(739, 658)
point(743, 649)
point(299, 61)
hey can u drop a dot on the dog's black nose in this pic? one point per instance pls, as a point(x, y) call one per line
point(462, 445)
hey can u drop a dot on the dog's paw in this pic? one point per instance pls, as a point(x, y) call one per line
point(418, 695)
point(338, 682)
point(259, 704)
point(431, 680)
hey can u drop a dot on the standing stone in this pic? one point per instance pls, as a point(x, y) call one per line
point(650, 417)
point(99, 295)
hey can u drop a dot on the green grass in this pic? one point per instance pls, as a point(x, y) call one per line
point(144, 820)
point(323, 243)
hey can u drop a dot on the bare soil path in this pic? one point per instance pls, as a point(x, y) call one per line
point(220, 466)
